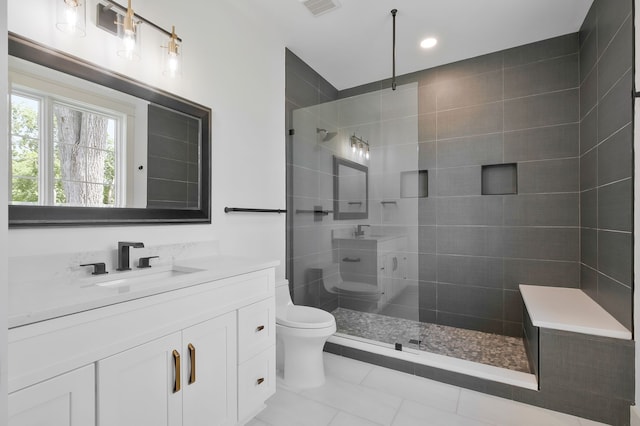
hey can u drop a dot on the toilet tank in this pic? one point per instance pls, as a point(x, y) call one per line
point(283, 296)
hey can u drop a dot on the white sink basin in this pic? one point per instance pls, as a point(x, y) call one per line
point(143, 277)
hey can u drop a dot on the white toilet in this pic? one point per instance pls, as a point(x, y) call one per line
point(301, 332)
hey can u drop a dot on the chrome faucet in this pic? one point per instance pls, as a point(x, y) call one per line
point(360, 232)
point(123, 254)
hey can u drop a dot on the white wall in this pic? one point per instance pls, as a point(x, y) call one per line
point(4, 196)
point(233, 64)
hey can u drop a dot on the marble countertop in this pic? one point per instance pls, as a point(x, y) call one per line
point(570, 309)
point(41, 299)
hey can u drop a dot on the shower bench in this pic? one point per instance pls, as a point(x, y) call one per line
point(581, 355)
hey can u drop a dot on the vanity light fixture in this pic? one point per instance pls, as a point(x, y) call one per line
point(71, 17)
point(126, 24)
point(360, 146)
point(428, 42)
point(173, 57)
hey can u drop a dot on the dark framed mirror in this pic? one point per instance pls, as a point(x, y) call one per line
point(350, 189)
point(94, 147)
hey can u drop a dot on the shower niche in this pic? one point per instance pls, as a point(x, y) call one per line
point(500, 179)
point(414, 184)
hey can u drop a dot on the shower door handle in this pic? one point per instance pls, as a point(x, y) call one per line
point(351, 259)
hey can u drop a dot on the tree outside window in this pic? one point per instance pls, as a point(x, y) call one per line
point(80, 154)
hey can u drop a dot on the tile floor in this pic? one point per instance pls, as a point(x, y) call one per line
point(360, 394)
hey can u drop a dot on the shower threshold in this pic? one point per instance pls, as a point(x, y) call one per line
point(462, 351)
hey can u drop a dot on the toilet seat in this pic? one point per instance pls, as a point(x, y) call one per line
point(304, 317)
point(355, 288)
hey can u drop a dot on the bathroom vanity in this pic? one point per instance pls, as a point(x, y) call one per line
point(374, 259)
point(188, 344)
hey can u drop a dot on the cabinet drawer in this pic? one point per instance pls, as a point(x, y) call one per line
point(256, 382)
point(256, 328)
point(358, 265)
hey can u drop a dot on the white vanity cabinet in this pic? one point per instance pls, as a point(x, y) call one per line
point(380, 260)
point(65, 400)
point(180, 379)
point(198, 355)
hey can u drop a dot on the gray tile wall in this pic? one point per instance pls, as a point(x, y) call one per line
point(172, 160)
point(521, 106)
point(560, 109)
point(606, 143)
point(517, 106)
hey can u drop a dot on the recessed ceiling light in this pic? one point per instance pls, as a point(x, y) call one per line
point(428, 43)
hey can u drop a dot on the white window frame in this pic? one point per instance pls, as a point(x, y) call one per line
point(50, 92)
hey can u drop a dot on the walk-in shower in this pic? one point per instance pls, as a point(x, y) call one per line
point(415, 224)
point(368, 209)
point(510, 168)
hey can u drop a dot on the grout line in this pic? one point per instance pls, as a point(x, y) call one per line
point(608, 276)
point(607, 138)
point(624, 21)
point(543, 126)
point(627, 71)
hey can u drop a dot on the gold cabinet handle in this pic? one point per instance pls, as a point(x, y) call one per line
point(176, 361)
point(260, 380)
point(192, 356)
point(259, 328)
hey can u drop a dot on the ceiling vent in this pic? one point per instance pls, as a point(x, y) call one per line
point(318, 7)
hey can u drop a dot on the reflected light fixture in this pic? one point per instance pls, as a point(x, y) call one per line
point(129, 32)
point(173, 57)
point(71, 17)
point(428, 42)
point(360, 146)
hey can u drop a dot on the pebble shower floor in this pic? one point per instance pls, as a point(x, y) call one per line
point(486, 348)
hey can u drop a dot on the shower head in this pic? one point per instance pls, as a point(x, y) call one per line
point(325, 135)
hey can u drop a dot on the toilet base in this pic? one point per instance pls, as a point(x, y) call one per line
point(299, 358)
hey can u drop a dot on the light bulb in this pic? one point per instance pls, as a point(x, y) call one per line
point(173, 63)
point(129, 32)
point(366, 155)
point(173, 58)
point(72, 16)
point(129, 41)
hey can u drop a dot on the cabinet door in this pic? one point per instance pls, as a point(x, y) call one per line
point(137, 387)
point(66, 400)
point(210, 390)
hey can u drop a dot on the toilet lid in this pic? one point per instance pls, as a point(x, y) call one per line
point(304, 317)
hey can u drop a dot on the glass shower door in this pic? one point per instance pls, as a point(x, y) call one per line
point(354, 191)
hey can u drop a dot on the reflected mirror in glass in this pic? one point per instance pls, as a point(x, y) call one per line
point(350, 189)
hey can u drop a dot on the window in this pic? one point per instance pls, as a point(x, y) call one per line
point(63, 152)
